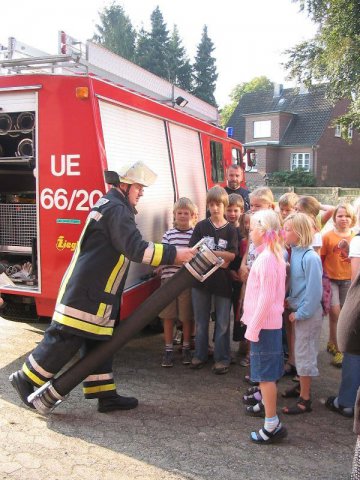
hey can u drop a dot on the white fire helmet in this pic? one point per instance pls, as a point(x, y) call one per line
point(137, 173)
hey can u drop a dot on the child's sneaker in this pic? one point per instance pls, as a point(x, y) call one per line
point(337, 360)
point(220, 368)
point(168, 359)
point(186, 356)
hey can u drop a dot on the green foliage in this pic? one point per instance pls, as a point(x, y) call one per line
point(116, 32)
point(255, 85)
point(205, 75)
point(295, 178)
point(179, 67)
point(333, 56)
point(143, 49)
point(158, 52)
point(159, 45)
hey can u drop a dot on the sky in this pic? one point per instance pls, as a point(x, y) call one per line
point(249, 36)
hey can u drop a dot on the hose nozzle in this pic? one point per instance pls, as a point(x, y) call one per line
point(45, 398)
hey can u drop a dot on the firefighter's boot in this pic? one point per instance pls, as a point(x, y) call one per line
point(22, 386)
point(116, 402)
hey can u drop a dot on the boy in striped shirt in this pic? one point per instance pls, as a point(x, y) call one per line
point(180, 308)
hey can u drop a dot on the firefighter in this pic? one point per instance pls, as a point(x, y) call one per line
point(88, 302)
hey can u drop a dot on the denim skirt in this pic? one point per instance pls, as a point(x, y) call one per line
point(267, 357)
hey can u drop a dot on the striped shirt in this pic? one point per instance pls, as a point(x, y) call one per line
point(178, 238)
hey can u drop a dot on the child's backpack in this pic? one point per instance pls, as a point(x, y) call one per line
point(326, 288)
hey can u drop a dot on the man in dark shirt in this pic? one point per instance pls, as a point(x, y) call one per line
point(235, 176)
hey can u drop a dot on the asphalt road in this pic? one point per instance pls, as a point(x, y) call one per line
point(189, 424)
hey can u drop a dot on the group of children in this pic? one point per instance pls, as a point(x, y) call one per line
point(273, 278)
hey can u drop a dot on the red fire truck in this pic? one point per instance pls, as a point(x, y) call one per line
point(66, 118)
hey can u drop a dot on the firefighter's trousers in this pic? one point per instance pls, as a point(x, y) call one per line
point(55, 350)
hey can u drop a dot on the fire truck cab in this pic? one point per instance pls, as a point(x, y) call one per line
point(64, 120)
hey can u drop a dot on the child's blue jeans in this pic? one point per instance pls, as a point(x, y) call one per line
point(202, 307)
point(350, 380)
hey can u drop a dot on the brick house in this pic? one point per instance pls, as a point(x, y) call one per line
point(291, 128)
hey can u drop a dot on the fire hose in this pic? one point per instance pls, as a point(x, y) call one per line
point(200, 267)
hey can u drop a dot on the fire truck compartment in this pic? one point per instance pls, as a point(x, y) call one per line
point(18, 209)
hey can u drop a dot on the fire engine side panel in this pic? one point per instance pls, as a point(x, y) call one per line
point(189, 165)
point(131, 136)
point(70, 177)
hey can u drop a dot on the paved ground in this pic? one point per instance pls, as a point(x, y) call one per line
point(189, 425)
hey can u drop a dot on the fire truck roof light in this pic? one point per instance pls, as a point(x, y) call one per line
point(230, 132)
point(82, 92)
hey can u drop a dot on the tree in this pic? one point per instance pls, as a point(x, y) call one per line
point(116, 32)
point(205, 75)
point(333, 55)
point(143, 49)
point(156, 46)
point(179, 66)
point(255, 85)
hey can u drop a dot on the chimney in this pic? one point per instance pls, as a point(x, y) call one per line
point(278, 89)
point(303, 90)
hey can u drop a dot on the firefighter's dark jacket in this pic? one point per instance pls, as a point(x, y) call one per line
point(90, 293)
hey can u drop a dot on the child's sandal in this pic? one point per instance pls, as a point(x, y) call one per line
point(293, 392)
point(252, 399)
point(345, 411)
point(257, 410)
point(302, 406)
point(252, 390)
point(263, 436)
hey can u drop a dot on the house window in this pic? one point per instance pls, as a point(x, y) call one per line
point(262, 129)
point(300, 160)
point(253, 166)
point(337, 130)
point(350, 131)
point(217, 165)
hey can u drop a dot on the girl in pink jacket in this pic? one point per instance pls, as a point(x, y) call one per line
point(263, 308)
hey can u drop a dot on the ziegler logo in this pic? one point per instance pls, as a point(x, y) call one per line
point(62, 244)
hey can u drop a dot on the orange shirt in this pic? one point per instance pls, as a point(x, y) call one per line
point(335, 262)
